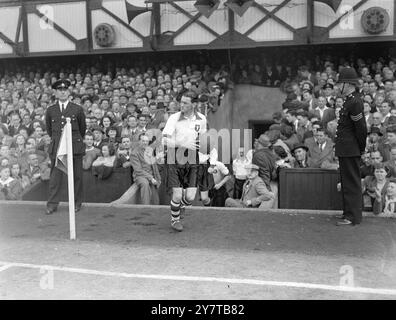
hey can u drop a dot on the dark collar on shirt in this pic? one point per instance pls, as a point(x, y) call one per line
point(182, 116)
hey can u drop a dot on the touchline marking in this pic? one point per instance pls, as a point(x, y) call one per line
point(204, 279)
point(6, 266)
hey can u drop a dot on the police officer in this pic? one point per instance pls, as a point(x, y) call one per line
point(350, 143)
point(55, 120)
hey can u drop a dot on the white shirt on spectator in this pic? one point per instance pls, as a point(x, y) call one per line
point(321, 111)
point(238, 167)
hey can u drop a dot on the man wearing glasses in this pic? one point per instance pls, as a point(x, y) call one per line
point(55, 120)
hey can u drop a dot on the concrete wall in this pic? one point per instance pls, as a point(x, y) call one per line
point(242, 104)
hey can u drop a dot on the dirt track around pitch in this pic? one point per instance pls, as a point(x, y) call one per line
point(285, 248)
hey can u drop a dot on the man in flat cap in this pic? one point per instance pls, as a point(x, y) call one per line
point(55, 120)
point(254, 192)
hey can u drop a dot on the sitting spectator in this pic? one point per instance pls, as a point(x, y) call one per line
point(377, 122)
point(367, 114)
point(375, 158)
point(91, 153)
point(145, 171)
point(240, 172)
point(221, 175)
point(332, 162)
point(391, 163)
point(373, 139)
point(15, 124)
point(304, 125)
point(385, 146)
point(112, 137)
point(322, 112)
point(284, 159)
point(333, 124)
point(36, 171)
point(107, 157)
point(17, 175)
point(10, 188)
point(20, 145)
point(320, 148)
point(275, 140)
point(255, 193)
point(385, 202)
point(290, 138)
point(156, 116)
point(374, 187)
point(130, 129)
point(5, 152)
point(300, 153)
point(98, 135)
point(106, 123)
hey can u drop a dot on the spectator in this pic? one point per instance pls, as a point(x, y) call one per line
point(373, 140)
point(145, 171)
point(106, 123)
point(240, 172)
point(221, 175)
point(333, 124)
point(103, 166)
point(385, 202)
point(113, 137)
point(255, 192)
point(322, 112)
point(10, 188)
point(385, 146)
point(17, 175)
point(291, 118)
point(374, 187)
point(320, 148)
point(391, 163)
point(98, 137)
point(367, 114)
point(91, 153)
point(309, 103)
point(304, 125)
point(377, 122)
point(265, 159)
point(300, 153)
point(36, 171)
point(15, 124)
point(332, 162)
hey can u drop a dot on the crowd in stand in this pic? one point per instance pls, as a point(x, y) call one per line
point(123, 104)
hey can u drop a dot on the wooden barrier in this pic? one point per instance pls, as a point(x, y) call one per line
point(309, 189)
point(298, 189)
point(95, 190)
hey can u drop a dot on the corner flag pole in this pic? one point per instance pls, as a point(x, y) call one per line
point(70, 180)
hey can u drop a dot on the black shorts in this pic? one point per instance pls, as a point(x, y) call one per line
point(205, 179)
point(182, 176)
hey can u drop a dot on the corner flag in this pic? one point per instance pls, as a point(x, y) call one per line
point(64, 162)
point(61, 155)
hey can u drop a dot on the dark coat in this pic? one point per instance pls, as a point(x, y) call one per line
point(266, 160)
point(55, 121)
point(350, 140)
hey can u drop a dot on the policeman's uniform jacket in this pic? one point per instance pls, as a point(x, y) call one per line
point(55, 121)
point(351, 135)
